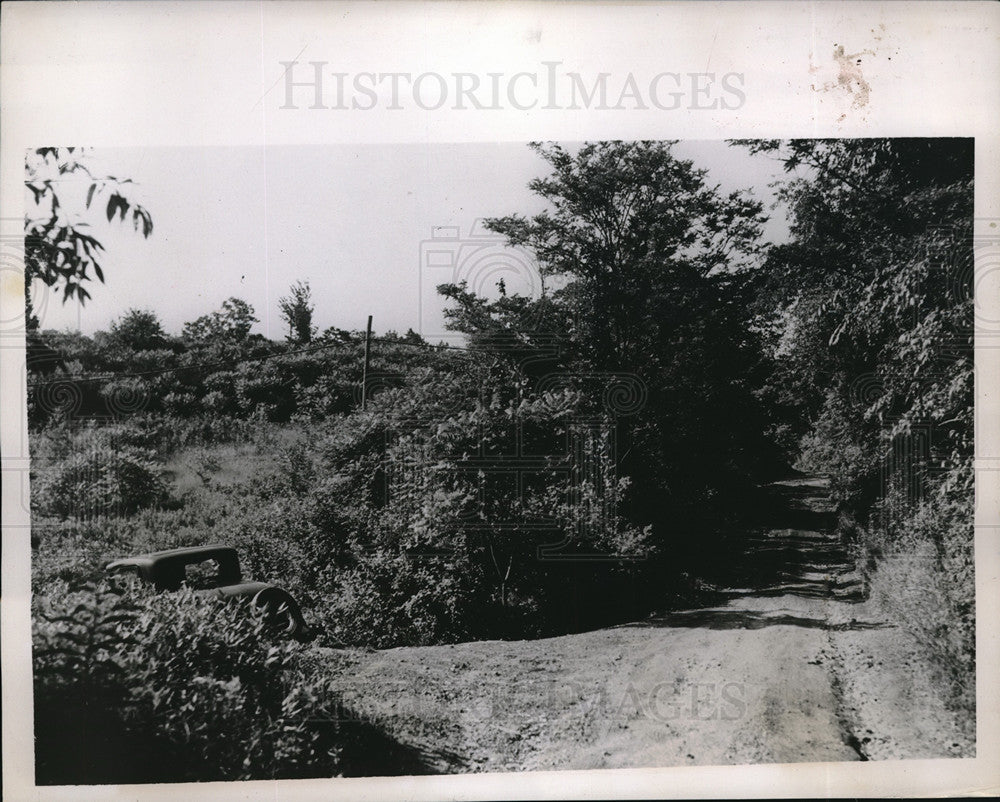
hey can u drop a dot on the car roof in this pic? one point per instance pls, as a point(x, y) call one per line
point(188, 552)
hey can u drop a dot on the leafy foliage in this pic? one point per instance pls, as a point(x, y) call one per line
point(216, 372)
point(230, 324)
point(872, 300)
point(297, 311)
point(171, 688)
point(138, 330)
point(58, 248)
point(100, 481)
point(645, 265)
point(924, 574)
point(874, 291)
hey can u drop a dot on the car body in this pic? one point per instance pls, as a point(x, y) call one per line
point(191, 566)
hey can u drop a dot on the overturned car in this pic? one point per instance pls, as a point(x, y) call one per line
point(214, 570)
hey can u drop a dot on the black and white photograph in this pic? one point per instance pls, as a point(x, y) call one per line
point(491, 458)
point(660, 470)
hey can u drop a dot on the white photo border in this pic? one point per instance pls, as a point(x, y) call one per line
point(128, 74)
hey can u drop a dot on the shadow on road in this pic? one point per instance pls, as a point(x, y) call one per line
point(748, 619)
point(372, 752)
point(792, 550)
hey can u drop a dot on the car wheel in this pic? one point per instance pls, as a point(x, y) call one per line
point(278, 612)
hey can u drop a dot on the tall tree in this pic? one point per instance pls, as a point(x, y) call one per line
point(629, 222)
point(873, 298)
point(646, 264)
point(297, 311)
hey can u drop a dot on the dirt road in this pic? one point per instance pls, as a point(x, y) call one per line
point(792, 667)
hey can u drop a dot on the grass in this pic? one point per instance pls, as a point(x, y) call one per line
point(201, 482)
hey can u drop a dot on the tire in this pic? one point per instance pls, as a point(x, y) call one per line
point(279, 611)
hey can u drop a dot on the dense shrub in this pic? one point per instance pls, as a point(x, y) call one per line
point(839, 446)
point(328, 396)
point(103, 481)
point(233, 375)
point(389, 599)
point(267, 389)
point(419, 534)
point(172, 688)
point(163, 434)
point(381, 526)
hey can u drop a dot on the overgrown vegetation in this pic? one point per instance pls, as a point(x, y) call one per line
point(570, 467)
point(872, 328)
point(169, 688)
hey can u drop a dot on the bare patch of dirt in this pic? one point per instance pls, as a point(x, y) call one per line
point(893, 702)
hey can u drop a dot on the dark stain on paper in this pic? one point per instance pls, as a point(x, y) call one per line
point(850, 77)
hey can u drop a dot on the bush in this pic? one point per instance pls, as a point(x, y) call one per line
point(839, 446)
point(102, 481)
point(408, 545)
point(389, 599)
point(173, 687)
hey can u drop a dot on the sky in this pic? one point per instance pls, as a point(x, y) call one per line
point(372, 228)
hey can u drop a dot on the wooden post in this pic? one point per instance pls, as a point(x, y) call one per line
point(368, 356)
